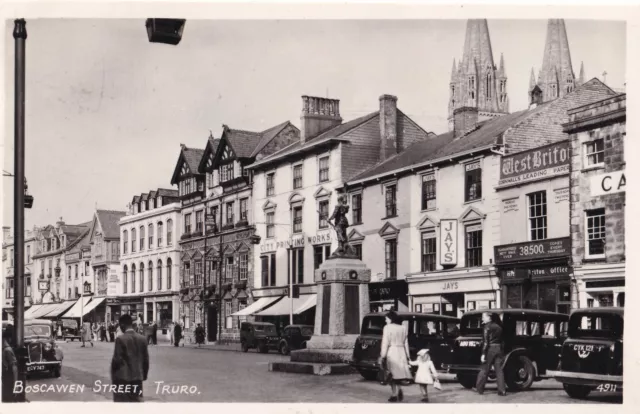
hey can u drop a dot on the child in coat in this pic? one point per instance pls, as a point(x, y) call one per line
point(426, 374)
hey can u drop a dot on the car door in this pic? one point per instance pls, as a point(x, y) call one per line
point(551, 337)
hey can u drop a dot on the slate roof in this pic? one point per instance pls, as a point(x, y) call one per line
point(267, 136)
point(192, 156)
point(109, 221)
point(518, 131)
point(167, 193)
point(242, 142)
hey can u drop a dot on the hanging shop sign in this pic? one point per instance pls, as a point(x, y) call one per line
point(541, 249)
point(43, 285)
point(448, 242)
point(610, 183)
point(537, 164)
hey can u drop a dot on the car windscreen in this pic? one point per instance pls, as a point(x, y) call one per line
point(269, 329)
point(307, 332)
point(471, 324)
point(372, 325)
point(37, 331)
point(605, 325)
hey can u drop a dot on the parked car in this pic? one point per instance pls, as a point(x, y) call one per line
point(70, 330)
point(294, 337)
point(42, 350)
point(532, 341)
point(260, 335)
point(435, 332)
point(591, 357)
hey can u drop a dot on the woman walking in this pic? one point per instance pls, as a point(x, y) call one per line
point(394, 354)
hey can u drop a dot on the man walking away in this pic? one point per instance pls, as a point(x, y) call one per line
point(9, 368)
point(86, 334)
point(177, 334)
point(492, 353)
point(154, 333)
point(130, 363)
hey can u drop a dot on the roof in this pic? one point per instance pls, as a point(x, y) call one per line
point(192, 156)
point(242, 142)
point(167, 193)
point(109, 221)
point(325, 137)
point(267, 136)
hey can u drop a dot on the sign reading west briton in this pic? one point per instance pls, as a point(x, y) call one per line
point(537, 164)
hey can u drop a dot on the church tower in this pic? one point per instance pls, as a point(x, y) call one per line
point(476, 81)
point(556, 77)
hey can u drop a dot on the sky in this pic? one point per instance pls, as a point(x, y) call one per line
point(106, 111)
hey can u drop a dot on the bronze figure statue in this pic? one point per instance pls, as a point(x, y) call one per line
point(340, 224)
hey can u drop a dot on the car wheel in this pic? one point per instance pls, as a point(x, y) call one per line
point(577, 391)
point(57, 372)
point(466, 380)
point(369, 375)
point(245, 347)
point(284, 348)
point(519, 373)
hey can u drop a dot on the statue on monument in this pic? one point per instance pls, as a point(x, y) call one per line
point(340, 224)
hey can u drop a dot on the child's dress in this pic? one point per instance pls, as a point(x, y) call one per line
point(426, 372)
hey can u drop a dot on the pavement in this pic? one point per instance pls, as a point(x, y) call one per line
point(222, 373)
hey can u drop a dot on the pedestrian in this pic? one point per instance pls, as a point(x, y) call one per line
point(59, 332)
point(86, 334)
point(492, 353)
point(103, 333)
point(394, 354)
point(130, 363)
point(427, 374)
point(9, 368)
point(177, 334)
point(110, 330)
point(171, 328)
point(95, 330)
point(154, 333)
point(199, 335)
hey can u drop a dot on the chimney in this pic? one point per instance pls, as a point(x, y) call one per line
point(388, 126)
point(464, 120)
point(318, 115)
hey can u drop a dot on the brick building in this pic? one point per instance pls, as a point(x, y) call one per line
point(597, 191)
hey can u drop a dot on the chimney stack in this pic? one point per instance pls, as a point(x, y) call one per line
point(318, 115)
point(388, 126)
point(464, 120)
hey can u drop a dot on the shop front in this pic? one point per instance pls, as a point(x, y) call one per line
point(601, 284)
point(389, 295)
point(454, 292)
point(536, 275)
point(160, 309)
point(132, 305)
point(275, 306)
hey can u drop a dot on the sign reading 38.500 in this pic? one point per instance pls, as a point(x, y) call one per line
point(533, 250)
point(528, 250)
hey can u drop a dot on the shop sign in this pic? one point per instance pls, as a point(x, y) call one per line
point(319, 238)
point(387, 290)
point(510, 205)
point(284, 244)
point(559, 272)
point(448, 242)
point(43, 285)
point(484, 283)
point(86, 254)
point(540, 163)
point(561, 194)
point(73, 257)
point(610, 183)
point(541, 249)
point(269, 292)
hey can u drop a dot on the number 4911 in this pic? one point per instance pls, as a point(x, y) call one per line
point(607, 387)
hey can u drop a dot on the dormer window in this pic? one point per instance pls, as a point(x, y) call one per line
point(226, 172)
point(187, 186)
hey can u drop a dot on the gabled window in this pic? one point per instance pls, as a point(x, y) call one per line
point(390, 258)
point(428, 251)
point(390, 201)
point(472, 181)
point(473, 245)
point(270, 184)
point(243, 266)
point(323, 169)
point(228, 269)
point(226, 172)
point(428, 191)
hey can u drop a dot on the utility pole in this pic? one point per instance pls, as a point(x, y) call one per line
point(20, 36)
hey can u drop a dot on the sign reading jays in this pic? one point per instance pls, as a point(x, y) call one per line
point(540, 163)
point(448, 242)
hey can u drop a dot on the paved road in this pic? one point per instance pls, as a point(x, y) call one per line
point(229, 376)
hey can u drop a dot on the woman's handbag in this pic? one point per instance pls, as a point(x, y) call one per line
point(384, 376)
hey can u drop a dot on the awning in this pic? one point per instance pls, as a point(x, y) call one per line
point(284, 307)
point(74, 312)
point(58, 310)
point(256, 306)
point(46, 308)
point(93, 304)
point(31, 310)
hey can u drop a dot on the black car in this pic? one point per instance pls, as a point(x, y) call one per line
point(260, 335)
point(42, 351)
point(294, 337)
point(591, 357)
point(435, 332)
point(532, 342)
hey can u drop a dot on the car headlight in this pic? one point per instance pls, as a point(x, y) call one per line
point(47, 347)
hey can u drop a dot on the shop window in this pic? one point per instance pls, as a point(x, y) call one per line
point(297, 176)
point(428, 191)
point(473, 244)
point(594, 153)
point(271, 227)
point(323, 169)
point(390, 201)
point(356, 209)
point(270, 184)
point(390, 255)
point(268, 269)
point(595, 233)
point(296, 265)
point(428, 251)
point(297, 219)
point(323, 214)
point(320, 254)
point(472, 182)
point(537, 215)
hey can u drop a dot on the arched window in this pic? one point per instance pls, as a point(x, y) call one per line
point(489, 82)
point(160, 233)
point(169, 232)
point(125, 241)
point(133, 278)
point(159, 275)
point(150, 236)
point(141, 238)
point(125, 275)
point(169, 274)
point(141, 277)
point(150, 270)
point(133, 240)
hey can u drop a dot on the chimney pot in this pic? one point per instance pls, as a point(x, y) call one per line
point(318, 115)
point(388, 126)
point(464, 120)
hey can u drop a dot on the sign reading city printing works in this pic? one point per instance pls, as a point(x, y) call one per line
point(540, 163)
point(541, 249)
point(448, 242)
point(274, 245)
point(611, 183)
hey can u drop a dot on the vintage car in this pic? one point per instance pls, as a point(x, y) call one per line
point(294, 337)
point(591, 358)
point(260, 335)
point(435, 332)
point(42, 350)
point(532, 341)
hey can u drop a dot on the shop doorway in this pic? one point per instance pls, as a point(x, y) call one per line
point(452, 305)
point(621, 300)
point(212, 323)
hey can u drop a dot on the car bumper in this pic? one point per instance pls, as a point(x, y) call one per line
point(582, 378)
point(42, 366)
point(454, 369)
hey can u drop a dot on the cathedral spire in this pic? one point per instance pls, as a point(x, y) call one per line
point(532, 81)
point(556, 77)
point(454, 71)
point(581, 78)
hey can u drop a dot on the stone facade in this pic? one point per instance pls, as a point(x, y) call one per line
point(598, 199)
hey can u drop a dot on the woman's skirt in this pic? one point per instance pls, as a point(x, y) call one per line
point(397, 364)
